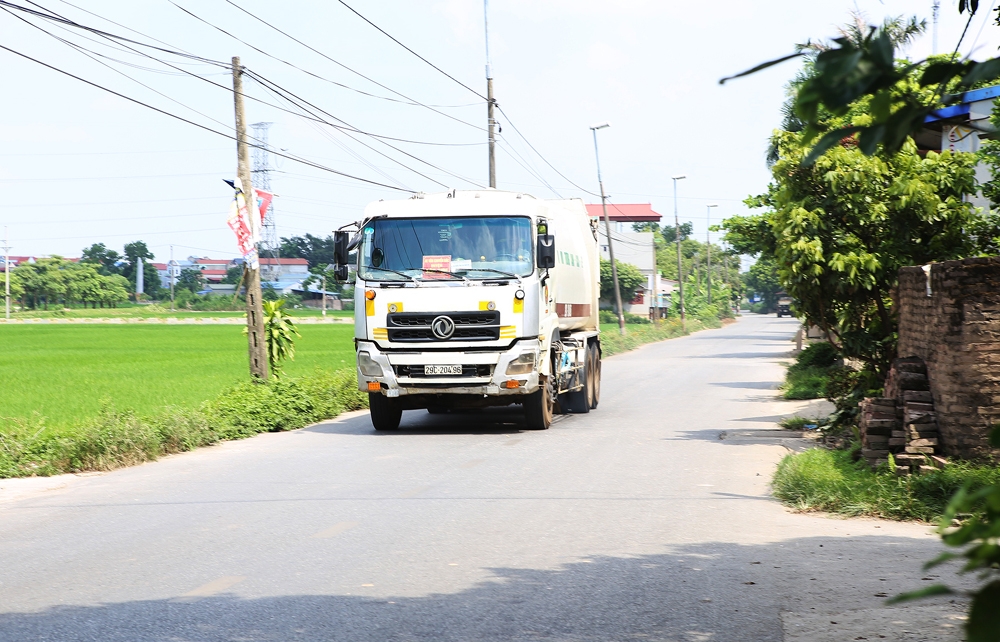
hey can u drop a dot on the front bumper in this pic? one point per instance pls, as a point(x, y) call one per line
point(495, 384)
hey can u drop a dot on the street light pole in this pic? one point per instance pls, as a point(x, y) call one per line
point(708, 249)
point(490, 102)
point(607, 229)
point(680, 273)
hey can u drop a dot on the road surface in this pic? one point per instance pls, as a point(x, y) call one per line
point(635, 522)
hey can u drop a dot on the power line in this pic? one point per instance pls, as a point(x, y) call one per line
point(191, 122)
point(289, 96)
point(514, 127)
point(358, 73)
point(390, 37)
point(57, 18)
point(301, 69)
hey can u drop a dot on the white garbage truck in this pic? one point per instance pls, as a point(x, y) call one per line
point(470, 299)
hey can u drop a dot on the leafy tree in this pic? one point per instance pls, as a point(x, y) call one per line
point(669, 232)
point(100, 255)
point(762, 279)
point(234, 275)
point(314, 249)
point(630, 279)
point(150, 277)
point(861, 66)
point(16, 289)
point(190, 279)
point(43, 281)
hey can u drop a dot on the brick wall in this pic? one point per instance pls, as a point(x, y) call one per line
point(956, 331)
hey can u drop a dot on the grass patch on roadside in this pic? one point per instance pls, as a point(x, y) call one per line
point(68, 374)
point(831, 481)
point(807, 378)
point(612, 342)
point(114, 438)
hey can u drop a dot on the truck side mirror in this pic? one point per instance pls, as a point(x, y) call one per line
point(340, 243)
point(545, 254)
point(340, 272)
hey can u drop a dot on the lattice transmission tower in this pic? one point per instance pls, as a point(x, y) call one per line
point(261, 178)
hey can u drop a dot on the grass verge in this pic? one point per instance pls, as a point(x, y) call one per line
point(612, 342)
point(831, 481)
point(114, 439)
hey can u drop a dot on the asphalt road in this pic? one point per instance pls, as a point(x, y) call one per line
point(635, 522)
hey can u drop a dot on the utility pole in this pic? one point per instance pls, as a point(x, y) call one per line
point(170, 274)
point(607, 230)
point(256, 343)
point(656, 291)
point(680, 269)
point(491, 122)
point(708, 248)
point(6, 272)
point(324, 292)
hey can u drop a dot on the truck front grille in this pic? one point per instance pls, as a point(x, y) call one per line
point(469, 326)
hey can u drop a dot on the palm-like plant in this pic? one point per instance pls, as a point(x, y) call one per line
point(280, 332)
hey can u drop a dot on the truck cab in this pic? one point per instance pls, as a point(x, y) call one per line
point(469, 299)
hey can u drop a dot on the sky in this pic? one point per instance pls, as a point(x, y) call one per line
point(79, 165)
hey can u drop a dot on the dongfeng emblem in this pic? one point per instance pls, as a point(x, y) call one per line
point(443, 327)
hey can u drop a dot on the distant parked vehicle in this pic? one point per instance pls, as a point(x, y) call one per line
point(784, 306)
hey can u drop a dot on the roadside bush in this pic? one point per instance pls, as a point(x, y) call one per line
point(115, 439)
point(609, 316)
point(809, 376)
point(831, 481)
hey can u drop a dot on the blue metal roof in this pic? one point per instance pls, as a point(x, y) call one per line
point(962, 108)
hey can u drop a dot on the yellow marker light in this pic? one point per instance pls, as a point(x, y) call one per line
point(511, 383)
point(370, 295)
point(374, 386)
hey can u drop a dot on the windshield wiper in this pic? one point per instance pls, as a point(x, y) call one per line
point(403, 274)
point(501, 272)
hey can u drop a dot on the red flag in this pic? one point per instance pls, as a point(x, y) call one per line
point(263, 201)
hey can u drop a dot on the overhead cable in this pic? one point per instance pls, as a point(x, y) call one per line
point(353, 71)
point(193, 123)
point(390, 37)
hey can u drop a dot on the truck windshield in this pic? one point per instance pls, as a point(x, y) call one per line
point(445, 248)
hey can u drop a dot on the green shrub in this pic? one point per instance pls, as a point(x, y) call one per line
point(820, 355)
point(805, 383)
point(609, 316)
point(831, 481)
point(115, 439)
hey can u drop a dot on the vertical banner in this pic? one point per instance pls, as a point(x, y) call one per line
point(245, 224)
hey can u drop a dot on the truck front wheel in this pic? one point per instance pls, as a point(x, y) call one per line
point(540, 405)
point(385, 412)
point(594, 375)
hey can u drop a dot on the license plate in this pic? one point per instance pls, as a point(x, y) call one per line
point(442, 370)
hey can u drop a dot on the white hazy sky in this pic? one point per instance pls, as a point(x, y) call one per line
point(79, 166)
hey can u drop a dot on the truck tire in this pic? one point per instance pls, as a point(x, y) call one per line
point(578, 401)
point(540, 406)
point(594, 378)
point(385, 412)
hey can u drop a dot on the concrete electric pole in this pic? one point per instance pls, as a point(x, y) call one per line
point(652, 281)
point(607, 229)
point(680, 268)
point(708, 249)
point(6, 272)
point(257, 345)
point(170, 275)
point(491, 122)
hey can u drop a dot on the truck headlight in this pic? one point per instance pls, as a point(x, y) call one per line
point(369, 367)
point(524, 364)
